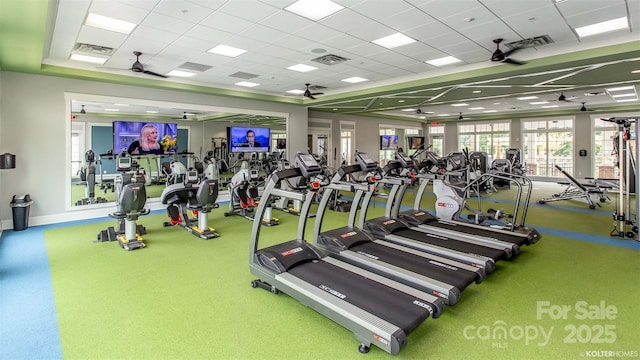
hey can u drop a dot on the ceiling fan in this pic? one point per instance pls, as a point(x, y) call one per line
point(307, 93)
point(139, 68)
point(500, 56)
point(564, 98)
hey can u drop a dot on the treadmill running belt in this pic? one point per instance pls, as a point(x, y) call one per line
point(460, 278)
point(385, 302)
point(433, 221)
point(465, 247)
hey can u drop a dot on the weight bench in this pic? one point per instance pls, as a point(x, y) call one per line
point(593, 193)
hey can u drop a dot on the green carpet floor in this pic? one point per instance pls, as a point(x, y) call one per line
point(186, 298)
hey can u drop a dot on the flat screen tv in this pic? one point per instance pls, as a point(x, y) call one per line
point(248, 139)
point(388, 142)
point(416, 142)
point(282, 144)
point(139, 138)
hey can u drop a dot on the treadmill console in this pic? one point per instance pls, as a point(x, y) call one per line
point(404, 159)
point(365, 162)
point(308, 165)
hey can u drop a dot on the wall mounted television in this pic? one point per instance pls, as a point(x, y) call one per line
point(415, 142)
point(240, 139)
point(139, 138)
point(282, 144)
point(388, 142)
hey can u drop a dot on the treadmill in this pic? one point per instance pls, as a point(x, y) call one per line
point(520, 236)
point(396, 231)
point(377, 310)
point(437, 275)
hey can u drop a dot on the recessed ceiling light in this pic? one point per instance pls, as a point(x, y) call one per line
point(549, 106)
point(444, 114)
point(400, 101)
point(180, 73)
point(623, 95)
point(247, 84)
point(314, 9)
point(89, 59)
point(111, 24)
point(627, 100)
point(394, 40)
point(527, 97)
point(295, 92)
point(117, 104)
point(621, 88)
point(636, 71)
point(538, 102)
point(152, 111)
point(355, 79)
point(109, 109)
point(460, 104)
point(477, 91)
point(602, 27)
point(477, 108)
point(490, 111)
point(227, 50)
point(302, 68)
point(408, 110)
point(443, 61)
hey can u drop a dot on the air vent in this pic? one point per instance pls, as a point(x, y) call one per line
point(195, 66)
point(243, 75)
point(93, 49)
point(531, 42)
point(330, 59)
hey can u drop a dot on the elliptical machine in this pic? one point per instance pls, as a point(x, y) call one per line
point(88, 178)
point(131, 197)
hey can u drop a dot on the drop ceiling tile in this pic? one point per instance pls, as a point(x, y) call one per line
point(182, 10)
point(95, 36)
point(142, 4)
point(407, 20)
point(371, 31)
point(222, 21)
point(346, 20)
point(211, 4)
point(506, 8)
point(342, 41)
point(597, 15)
point(317, 32)
point(366, 49)
point(263, 33)
point(493, 30)
point(118, 11)
point(380, 10)
point(430, 30)
point(251, 11)
point(145, 32)
point(414, 49)
point(439, 9)
point(167, 23)
point(287, 22)
point(206, 33)
point(192, 43)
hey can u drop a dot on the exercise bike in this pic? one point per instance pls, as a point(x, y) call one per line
point(131, 197)
point(200, 199)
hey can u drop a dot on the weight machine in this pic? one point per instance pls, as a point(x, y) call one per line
point(625, 223)
point(88, 179)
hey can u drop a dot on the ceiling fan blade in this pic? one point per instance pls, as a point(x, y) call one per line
point(310, 96)
point(509, 52)
point(319, 93)
point(155, 74)
point(514, 62)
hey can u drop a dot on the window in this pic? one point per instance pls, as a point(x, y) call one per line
point(548, 143)
point(436, 139)
point(275, 137)
point(347, 141)
point(490, 138)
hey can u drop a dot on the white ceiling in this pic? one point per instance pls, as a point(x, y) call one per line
point(171, 33)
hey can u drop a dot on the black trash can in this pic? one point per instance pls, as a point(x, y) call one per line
point(20, 206)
